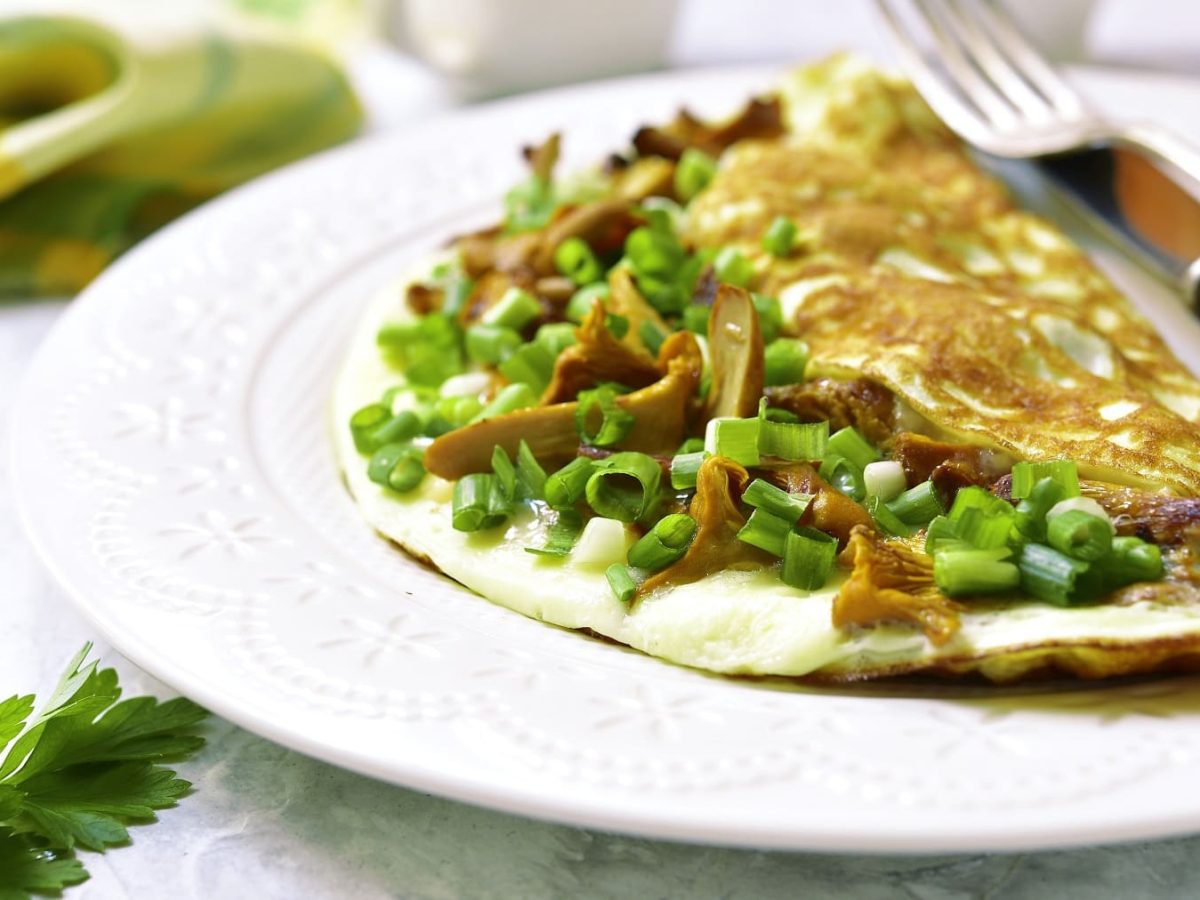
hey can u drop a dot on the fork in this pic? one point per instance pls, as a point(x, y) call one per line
point(990, 86)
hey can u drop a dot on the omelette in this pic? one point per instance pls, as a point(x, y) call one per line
point(798, 393)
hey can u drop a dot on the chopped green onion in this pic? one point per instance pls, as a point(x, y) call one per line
point(691, 445)
point(478, 503)
point(1080, 535)
point(695, 318)
point(374, 425)
point(397, 466)
point(531, 477)
point(792, 440)
point(693, 172)
point(614, 422)
point(780, 236)
point(561, 536)
point(654, 253)
point(735, 439)
point(918, 505)
point(515, 309)
point(1026, 474)
point(459, 410)
point(808, 557)
point(778, 414)
point(884, 479)
point(652, 336)
point(975, 497)
point(510, 398)
point(506, 473)
point(529, 205)
point(666, 542)
point(1079, 504)
point(668, 296)
point(1133, 560)
point(584, 299)
point(624, 486)
point(974, 571)
point(530, 364)
point(618, 325)
point(662, 213)
point(556, 337)
point(770, 316)
point(684, 469)
point(427, 348)
point(733, 268)
point(784, 361)
point(454, 296)
point(491, 343)
point(1032, 510)
point(566, 487)
point(621, 581)
point(766, 531)
point(940, 532)
point(1054, 577)
point(887, 520)
point(844, 476)
point(849, 443)
point(982, 530)
point(764, 495)
point(575, 259)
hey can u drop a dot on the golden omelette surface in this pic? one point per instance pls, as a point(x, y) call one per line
point(913, 268)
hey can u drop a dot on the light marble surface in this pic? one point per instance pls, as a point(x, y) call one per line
point(265, 822)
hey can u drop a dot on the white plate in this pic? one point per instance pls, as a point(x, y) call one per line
point(173, 465)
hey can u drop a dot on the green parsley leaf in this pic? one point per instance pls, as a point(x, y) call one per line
point(26, 868)
point(80, 769)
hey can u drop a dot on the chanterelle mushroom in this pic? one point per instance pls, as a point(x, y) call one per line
point(660, 414)
point(719, 486)
point(598, 356)
point(735, 347)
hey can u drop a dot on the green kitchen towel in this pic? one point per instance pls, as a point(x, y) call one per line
point(107, 133)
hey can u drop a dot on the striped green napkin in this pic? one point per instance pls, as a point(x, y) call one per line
point(106, 134)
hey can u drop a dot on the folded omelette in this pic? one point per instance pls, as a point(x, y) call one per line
point(797, 393)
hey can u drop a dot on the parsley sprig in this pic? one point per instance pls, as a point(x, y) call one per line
point(81, 768)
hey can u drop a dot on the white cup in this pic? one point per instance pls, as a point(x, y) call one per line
point(490, 47)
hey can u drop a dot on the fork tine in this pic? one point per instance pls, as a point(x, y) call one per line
point(1029, 62)
point(962, 16)
point(961, 117)
point(967, 78)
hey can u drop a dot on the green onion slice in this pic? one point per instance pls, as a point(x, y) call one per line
point(566, 487)
point(374, 425)
point(1133, 560)
point(784, 361)
point(974, 571)
point(584, 299)
point(808, 557)
point(735, 439)
point(733, 268)
point(491, 344)
point(918, 505)
point(693, 173)
point(1080, 535)
point(770, 316)
point(844, 476)
point(515, 309)
point(505, 472)
point(684, 469)
point(531, 477)
point(1026, 474)
point(561, 536)
point(1056, 578)
point(620, 579)
point(888, 521)
point(853, 446)
point(510, 398)
point(397, 466)
point(614, 423)
point(766, 496)
point(791, 440)
point(652, 336)
point(575, 259)
point(478, 503)
point(766, 531)
point(1031, 511)
point(939, 532)
point(530, 364)
point(663, 544)
point(624, 486)
point(780, 236)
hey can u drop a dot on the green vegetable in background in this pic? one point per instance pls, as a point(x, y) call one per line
point(79, 770)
